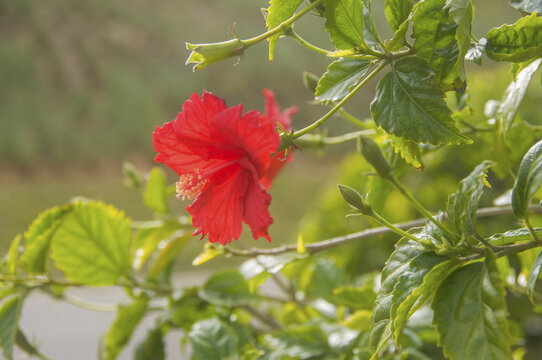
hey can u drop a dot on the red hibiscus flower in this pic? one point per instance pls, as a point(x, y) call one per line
point(221, 156)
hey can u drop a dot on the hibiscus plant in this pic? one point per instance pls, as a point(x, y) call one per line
point(456, 279)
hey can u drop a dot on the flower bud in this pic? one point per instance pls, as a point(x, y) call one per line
point(310, 81)
point(354, 199)
point(206, 54)
point(372, 153)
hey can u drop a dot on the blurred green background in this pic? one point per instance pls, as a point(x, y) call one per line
point(84, 83)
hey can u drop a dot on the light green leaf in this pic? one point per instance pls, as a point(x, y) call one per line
point(227, 288)
point(152, 348)
point(516, 43)
point(463, 13)
point(148, 240)
point(359, 320)
point(508, 107)
point(168, 252)
point(528, 6)
point(369, 30)
point(38, 237)
point(355, 298)
point(13, 255)
point(528, 180)
point(270, 264)
point(405, 251)
point(278, 12)
point(340, 77)
point(397, 11)
point(9, 317)
point(344, 22)
point(514, 236)
point(398, 39)
point(416, 285)
point(409, 104)
point(302, 342)
point(470, 313)
point(212, 339)
point(320, 280)
point(92, 244)
point(463, 204)
point(434, 30)
point(127, 319)
point(155, 195)
point(533, 275)
point(409, 151)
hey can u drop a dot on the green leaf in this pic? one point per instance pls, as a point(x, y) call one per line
point(475, 53)
point(124, 325)
point(320, 281)
point(213, 339)
point(355, 298)
point(508, 107)
point(9, 317)
point(152, 348)
point(359, 320)
point(462, 12)
point(370, 34)
point(155, 195)
point(398, 39)
point(409, 104)
point(462, 205)
point(397, 11)
point(533, 275)
point(528, 180)
point(470, 313)
point(344, 22)
point(270, 264)
point(13, 255)
point(278, 12)
point(528, 6)
point(405, 251)
point(514, 236)
point(409, 151)
point(147, 240)
point(38, 237)
point(168, 252)
point(187, 308)
point(301, 342)
point(92, 244)
point(434, 30)
point(340, 77)
point(227, 288)
point(416, 285)
point(23, 343)
point(516, 43)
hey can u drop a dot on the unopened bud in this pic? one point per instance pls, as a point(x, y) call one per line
point(354, 199)
point(310, 81)
point(372, 153)
point(206, 54)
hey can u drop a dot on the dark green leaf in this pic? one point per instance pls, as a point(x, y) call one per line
point(128, 317)
point(9, 317)
point(397, 11)
point(516, 43)
point(409, 151)
point(227, 288)
point(92, 244)
point(339, 78)
point(278, 12)
point(344, 22)
point(23, 343)
point(301, 342)
point(409, 104)
point(462, 205)
point(355, 298)
point(528, 6)
point(152, 348)
point(155, 195)
point(369, 30)
point(528, 180)
point(470, 313)
point(434, 29)
point(533, 275)
point(462, 12)
point(405, 251)
point(213, 339)
point(187, 308)
point(38, 237)
point(416, 285)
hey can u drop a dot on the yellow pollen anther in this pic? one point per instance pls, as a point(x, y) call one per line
point(190, 185)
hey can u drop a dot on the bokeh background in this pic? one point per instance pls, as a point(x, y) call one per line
point(83, 83)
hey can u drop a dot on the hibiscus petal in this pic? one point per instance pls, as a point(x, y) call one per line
point(218, 210)
point(255, 139)
point(272, 110)
point(257, 215)
point(276, 164)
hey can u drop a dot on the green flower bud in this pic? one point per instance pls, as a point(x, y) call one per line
point(310, 81)
point(354, 199)
point(206, 54)
point(372, 153)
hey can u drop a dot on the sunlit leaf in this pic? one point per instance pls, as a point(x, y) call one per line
point(409, 151)
point(462, 12)
point(528, 6)
point(397, 11)
point(155, 195)
point(344, 22)
point(227, 288)
point(278, 12)
point(339, 78)
point(213, 339)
